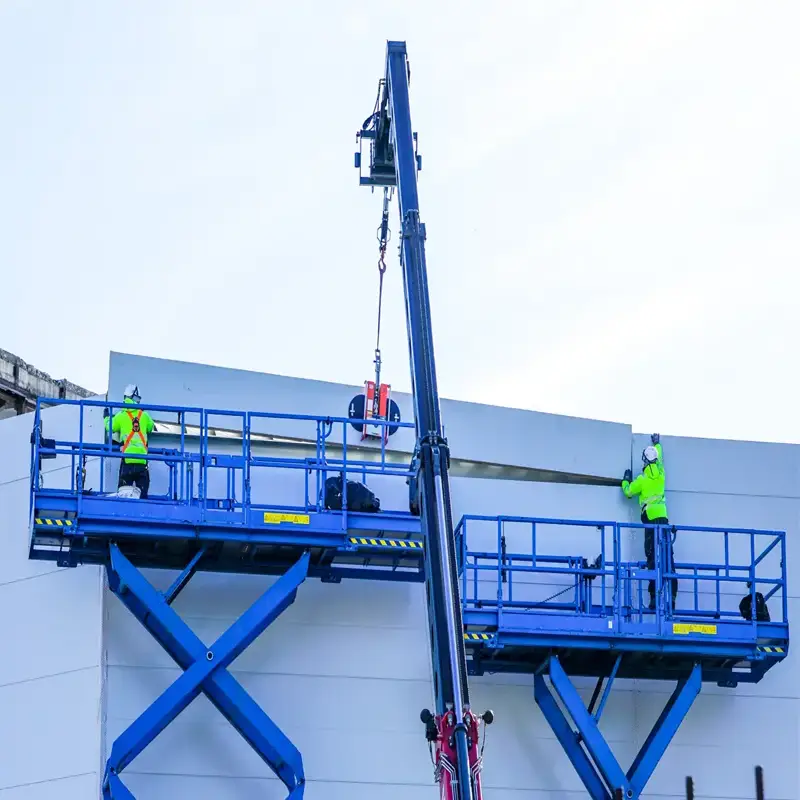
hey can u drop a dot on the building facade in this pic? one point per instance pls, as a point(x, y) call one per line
point(346, 669)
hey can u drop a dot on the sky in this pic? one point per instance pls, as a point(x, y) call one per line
point(610, 192)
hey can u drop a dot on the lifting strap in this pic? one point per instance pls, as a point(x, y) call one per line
point(384, 234)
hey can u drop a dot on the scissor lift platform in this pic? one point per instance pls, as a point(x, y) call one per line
point(156, 534)
point(74, 524)
point(558, 598)
point(212, 507)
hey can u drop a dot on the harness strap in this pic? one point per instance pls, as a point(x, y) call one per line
point(136, 429)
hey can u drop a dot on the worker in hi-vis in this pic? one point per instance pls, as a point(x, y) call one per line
point(132, 427)
point(650, 488)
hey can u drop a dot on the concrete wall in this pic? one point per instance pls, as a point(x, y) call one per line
point(51, 632)
point(345, 670)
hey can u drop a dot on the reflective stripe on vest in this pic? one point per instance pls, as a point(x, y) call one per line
point(656, 499)
point(136, 429)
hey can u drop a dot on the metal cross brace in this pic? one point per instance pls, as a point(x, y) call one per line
point(205, 671)
point(588, 750)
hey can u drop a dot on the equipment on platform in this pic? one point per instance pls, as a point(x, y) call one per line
point(394, 161)
point(746, 606)
point(359, 497)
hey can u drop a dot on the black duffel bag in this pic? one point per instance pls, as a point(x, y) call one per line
point(746, 608)
point(359, 497)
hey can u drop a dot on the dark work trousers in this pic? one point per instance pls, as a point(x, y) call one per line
point(135, 473)
point(650, 555)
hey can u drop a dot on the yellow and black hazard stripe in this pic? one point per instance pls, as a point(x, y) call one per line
point(61, 523)
point(478, 637)
point(397, 544)
point(777, 651)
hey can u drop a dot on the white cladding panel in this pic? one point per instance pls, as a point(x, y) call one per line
point(51, 629)
point(345, 670)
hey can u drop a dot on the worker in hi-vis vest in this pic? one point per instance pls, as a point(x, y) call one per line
point(650, 488)
point(131, 427)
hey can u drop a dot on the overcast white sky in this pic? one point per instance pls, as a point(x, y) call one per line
point(610, 191)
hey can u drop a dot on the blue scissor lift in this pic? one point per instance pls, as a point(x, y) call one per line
point(220, 480)
point(560, 598)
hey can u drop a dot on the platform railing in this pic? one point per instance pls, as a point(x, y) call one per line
point(546, 565)
point(709, 583)
point(194, 464)
point(511, 574)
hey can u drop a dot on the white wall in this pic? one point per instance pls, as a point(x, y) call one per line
point(345, 671)
point(51, 629)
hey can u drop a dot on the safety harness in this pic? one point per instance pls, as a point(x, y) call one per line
point(135, 429)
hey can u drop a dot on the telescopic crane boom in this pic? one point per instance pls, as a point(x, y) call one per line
point(453, 730)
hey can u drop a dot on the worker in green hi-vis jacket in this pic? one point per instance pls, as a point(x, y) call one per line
point(132, 427)
point(650, 489)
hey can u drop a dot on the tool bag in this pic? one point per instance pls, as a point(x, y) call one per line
point(413, 486)
point(359, 497)
point(746, 608)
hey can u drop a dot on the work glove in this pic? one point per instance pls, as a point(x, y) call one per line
point(106, 412)
point(628, 476)
point(655, 438)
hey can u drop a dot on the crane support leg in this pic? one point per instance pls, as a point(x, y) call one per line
point(205, 671)
point(586, 748)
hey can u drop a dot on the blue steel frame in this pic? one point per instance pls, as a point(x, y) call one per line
point(586, 747)
point(205, 671)
point(601, 632)
point(236, 514)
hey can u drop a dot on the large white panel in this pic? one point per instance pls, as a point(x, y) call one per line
point(58, 422)
point(305, 649)
point(718, 466)
point(340, 704)
point(77, 787)
point(50, 728)
point(169, 787)
point(52, 622)
point(355, 603)
point(15, 532)
point(476, 432)
point(61, 422)
point(57, 617)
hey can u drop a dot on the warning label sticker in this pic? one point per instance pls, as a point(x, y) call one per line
point(694, 627)
point(271, 518)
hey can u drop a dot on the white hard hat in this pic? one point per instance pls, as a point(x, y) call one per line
point(650, 455)
point(132, 391)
